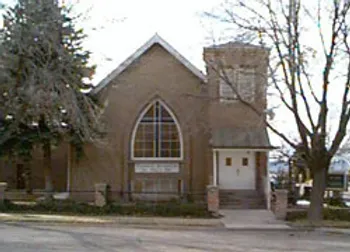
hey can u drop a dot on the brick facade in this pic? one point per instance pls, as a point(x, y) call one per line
point(158, 75)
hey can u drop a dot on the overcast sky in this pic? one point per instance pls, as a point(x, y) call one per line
point(118, 27)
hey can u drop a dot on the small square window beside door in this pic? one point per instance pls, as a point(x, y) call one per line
point(228, 161)
point(245, 161)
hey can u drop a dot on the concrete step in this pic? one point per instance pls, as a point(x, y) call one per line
point(242, 207)
point(242, 202)
point(241, 199)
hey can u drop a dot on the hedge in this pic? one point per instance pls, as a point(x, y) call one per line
point(335, 214)
point(168, 209)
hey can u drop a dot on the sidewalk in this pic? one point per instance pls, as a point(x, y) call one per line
point(252, 220)
point(122, 220)
point(233, 220)
point(264, 220)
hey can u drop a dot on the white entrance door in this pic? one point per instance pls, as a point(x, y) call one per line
point(236, 170)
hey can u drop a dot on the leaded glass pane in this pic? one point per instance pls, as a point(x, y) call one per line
point(157, 135)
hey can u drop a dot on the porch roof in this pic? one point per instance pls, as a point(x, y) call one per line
point(241, 138)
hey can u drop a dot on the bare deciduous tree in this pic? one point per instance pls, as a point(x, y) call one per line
point(309, 70)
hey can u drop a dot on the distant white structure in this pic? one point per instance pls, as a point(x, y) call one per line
point(339, 164)
point(276, 166)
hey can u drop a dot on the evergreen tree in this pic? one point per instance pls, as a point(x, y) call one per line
point(45, 81)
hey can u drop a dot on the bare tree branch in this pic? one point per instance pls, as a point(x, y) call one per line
point(281, 26)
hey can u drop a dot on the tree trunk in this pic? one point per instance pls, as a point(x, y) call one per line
point(317, 193)
point(48, 169)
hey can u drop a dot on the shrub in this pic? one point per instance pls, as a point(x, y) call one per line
point(65, 206)
point(6, 205)
point(341, 214)
point(296, 215)
point(166, 209)
point(338, 202)
point(336, 214)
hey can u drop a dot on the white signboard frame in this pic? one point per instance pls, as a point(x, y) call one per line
point(157, 167)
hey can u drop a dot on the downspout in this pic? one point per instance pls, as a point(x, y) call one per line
point(268, 185)
point(215, 168)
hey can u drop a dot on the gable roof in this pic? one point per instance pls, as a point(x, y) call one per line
point(249, 138)
point(156, 39)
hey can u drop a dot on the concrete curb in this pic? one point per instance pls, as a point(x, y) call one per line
point(324, 229)
point(321, 229)
point(161, 222)
point(266, 228)
point(122, 220)
point(289, 229)
point(334, 230)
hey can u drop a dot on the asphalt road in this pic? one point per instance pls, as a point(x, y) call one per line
point(77, 238)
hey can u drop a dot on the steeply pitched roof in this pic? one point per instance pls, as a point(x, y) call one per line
point(156, 39)
point(247, 138)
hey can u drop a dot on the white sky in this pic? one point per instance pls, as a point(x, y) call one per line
point(117, 28)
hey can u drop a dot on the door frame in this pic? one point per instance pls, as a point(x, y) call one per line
point(215, 159)
point(237, 156)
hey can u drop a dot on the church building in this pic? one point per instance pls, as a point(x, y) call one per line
point(172, 130)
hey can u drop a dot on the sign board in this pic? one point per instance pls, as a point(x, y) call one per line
point(337, 181)
point(157, 167)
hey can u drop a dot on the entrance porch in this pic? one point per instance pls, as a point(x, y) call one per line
point(242, 178)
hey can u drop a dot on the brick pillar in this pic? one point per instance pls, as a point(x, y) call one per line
point(213, 199)
point(101, 194)
point(261, 171)
point(3, 187)
point(257, 171)
point(281, 204)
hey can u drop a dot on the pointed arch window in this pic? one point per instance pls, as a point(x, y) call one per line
point(157, 134)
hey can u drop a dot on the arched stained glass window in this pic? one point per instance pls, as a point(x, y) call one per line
point(157, 134)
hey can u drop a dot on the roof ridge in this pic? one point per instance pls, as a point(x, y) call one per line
point(155, 39)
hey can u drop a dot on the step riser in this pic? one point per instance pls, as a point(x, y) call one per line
point(241, 202)
point(242, 206)
point(238, 200)
point(241, 199)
